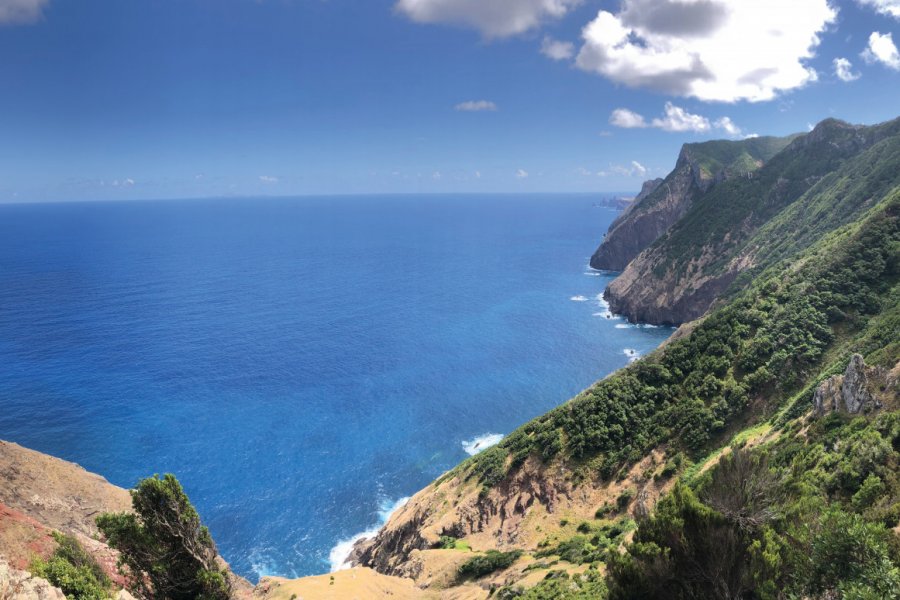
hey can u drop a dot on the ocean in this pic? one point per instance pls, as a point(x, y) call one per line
point(301, 364)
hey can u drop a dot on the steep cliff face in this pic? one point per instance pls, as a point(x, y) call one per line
point(816, 184)
point(663, 201)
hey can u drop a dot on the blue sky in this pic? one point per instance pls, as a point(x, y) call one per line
point(126, 99)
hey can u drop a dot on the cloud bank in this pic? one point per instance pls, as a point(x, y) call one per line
point(712, 50)
point(493, 18)
point(675, 119)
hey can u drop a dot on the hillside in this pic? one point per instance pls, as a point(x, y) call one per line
point(754, 455)
point(699, 168)
point(817, 183)
point(571, 488)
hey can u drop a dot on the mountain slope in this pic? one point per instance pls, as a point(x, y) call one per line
point(663, 201)
point(567, 485)
point(819, 182)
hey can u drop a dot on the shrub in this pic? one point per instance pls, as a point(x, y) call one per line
point(73, 570)
point(490, 561)
point(168, 553)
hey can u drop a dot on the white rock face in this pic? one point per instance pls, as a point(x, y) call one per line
point(21, 585)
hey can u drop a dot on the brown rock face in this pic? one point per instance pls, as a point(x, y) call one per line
point(59, 494)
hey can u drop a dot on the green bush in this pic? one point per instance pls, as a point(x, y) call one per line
point(73, 570)
point(490, 561)
point(164, 548)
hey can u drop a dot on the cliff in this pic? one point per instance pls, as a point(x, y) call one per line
point(663, 201)
point(796, 272)
point(818, 183)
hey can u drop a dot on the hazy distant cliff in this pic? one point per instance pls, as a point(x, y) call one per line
point(817, 183)
point(663, 201)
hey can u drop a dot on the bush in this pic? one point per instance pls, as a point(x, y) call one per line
point(73, 570)
point(625, 498)
point(165, 549)
point(490, 561)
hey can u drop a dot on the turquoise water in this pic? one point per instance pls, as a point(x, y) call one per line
point(300, 364)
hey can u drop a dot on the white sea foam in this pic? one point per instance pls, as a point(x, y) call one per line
point(624, 325)
point(592, 273)
point(339, 555)
point(481, 442)
point(632, 354)
point(578, 298)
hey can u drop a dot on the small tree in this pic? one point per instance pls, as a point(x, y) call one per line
point(169, 555)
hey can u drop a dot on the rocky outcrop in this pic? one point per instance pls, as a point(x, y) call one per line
point(850, 393)
point(21, 585)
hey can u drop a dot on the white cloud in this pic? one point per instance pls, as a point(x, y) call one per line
point(556, 49)
point(634, 169)
point(436, 175)
point(493, 18)
point(885, 7)
point(678, 119)
point(881, 49)
point(268, 179)
point(728, 126)
point(476, 106)
point(628, 119)
point(843, 69)
point(713, 50)
point(477, 174)
point(21, 11)
point(521, 173)
point(674, 119)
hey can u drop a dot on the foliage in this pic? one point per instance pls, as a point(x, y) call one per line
point(73, 570)
point(490, 561)
point(768, 343)
point(164, 548)
point(560, 586)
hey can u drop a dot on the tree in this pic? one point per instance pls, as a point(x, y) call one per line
point(168, 553)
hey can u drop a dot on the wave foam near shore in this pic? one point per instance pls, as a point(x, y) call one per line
point(481, 442)
point(339, 555)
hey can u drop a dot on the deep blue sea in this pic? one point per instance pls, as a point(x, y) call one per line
point(299, 364)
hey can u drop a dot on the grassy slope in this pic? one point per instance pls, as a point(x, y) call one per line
point(747, 372)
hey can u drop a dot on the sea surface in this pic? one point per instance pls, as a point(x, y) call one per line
point(302, 365)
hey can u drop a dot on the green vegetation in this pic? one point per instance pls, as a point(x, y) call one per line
point(165, 551)
point(559, 585)
point(487, 563)
point(768, 342)
point(767, 504)
point(73, 570)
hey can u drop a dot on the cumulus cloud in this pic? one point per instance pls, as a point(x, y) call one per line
point(476, 106)
point(493, 18)
point(843, 69)
point(14, 12)
point(713, 50)
point(674, 119)
point(885, 7)
point(634, 169)
point(268, 179)
point(627, 119)
point(678, 119)
point(728, 126)
point(556, 49)
point(521, 173)
point(881, 49)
